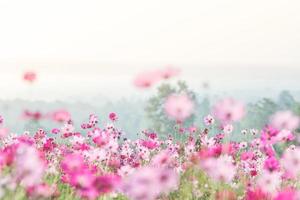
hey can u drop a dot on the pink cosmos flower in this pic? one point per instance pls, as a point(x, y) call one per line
point(271, 164)
point(55, 131)
point(162, 159)
point(150, 144)
point(290, 161)
point(285, 120)
point(107, 183)
point(229, 110)
point(61, 116)
point(102, 138)
point(148, 182)
point(225, 170)
point(248, 155)
point(82, 178)
point(29, 166)
point(167, 179)
point(29, 76)
point(268, 181)
point(269, 135)
point(209, 120)
point(49, 145)
point(228, 129)
point(93, 120)
point(284, 136)
point(32, 115)
point(179, 107)
point(147, 79)
point(113, 116)
point(67, 128)
point(72, 163)
point(192, 129)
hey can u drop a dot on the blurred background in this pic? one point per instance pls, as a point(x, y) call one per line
point(85, 55)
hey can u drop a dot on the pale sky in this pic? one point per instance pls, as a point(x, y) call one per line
point(91, 44)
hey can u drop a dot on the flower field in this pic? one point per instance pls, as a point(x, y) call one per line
point(195, 161)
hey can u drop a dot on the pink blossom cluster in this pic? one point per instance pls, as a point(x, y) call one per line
point(98, 160)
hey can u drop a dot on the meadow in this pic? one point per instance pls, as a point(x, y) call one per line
point(177, 157)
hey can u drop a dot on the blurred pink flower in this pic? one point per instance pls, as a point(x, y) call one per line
point(147, 79)
point(268, 181)
point(284, 136)
point(162, 159)
point(82, 178)
point(290, 161)
point(72, 163)
point(229, 110)
point(149, 182)
point(55, 131)
point(36, 116)
point(29, 166)
point(285, 120)
point(3, 132)
point(179, 107)
point(61, 116)
point(29, 76)
point(150, 144)
point(192, 129)
point(107, 183)
point(225, 170)
point(169, 72)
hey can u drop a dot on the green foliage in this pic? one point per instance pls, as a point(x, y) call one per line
point(159, 121)
point(258, 113)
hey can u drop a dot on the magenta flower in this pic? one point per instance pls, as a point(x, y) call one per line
point(113, 116)
point(271, 164)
